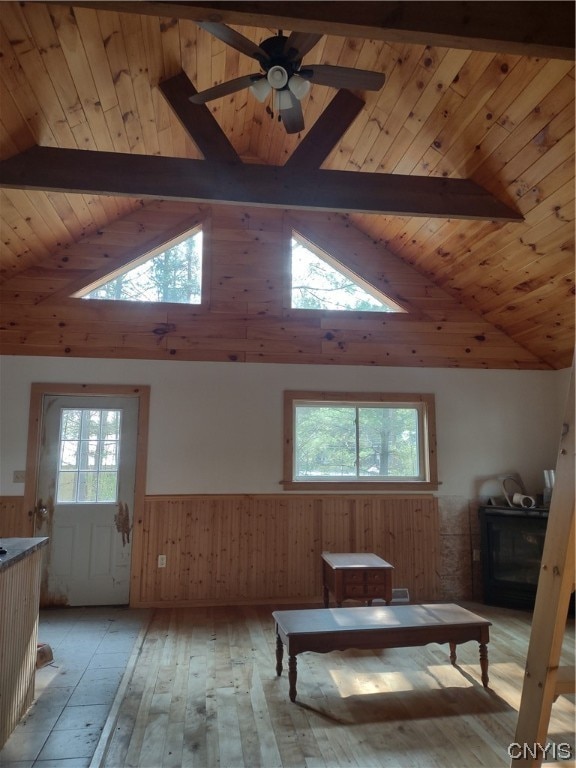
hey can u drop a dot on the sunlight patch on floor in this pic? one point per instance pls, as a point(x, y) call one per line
point(352, 683)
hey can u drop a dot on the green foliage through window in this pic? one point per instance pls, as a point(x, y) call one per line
point(89, 456)
point(175, 276)
point(356, 441)
point(385, 441)
point(318, 283)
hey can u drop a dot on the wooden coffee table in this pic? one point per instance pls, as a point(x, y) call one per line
point(355, 576)
point(337, 629)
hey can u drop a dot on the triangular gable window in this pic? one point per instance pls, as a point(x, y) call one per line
point(174, 275)
point(319, 281)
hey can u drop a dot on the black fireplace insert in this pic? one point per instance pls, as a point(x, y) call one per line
point(512, 541)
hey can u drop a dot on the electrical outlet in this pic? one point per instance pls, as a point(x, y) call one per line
point(19, 476)
point(161, 561)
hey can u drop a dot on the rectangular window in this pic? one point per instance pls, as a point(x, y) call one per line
point(88, 458)
point(346, 440)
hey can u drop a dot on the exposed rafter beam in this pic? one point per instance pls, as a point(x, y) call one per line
point(204, 130)
point(110, 173)
point(326, 131)
point(197, 120)
point(532, 28)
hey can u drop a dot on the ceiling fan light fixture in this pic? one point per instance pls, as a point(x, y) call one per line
point(282, 100)
point(298, 86)
point(261, 89)
point(277, 77)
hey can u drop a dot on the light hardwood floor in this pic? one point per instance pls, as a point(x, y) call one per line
point(203, 691)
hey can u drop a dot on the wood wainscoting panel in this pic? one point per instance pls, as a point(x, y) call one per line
point(337, 516)
point(19, 600)
point(405, 532)
point(14, 521)
point(232, 549)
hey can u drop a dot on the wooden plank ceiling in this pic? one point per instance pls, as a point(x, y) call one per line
point(460, 179)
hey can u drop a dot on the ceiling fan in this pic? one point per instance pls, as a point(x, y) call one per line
point(280, 58)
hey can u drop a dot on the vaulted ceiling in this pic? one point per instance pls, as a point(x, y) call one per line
point(461, 165)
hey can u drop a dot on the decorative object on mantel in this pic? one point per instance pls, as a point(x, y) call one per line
point(549, 479)
point(518, 497)
point(280, 59)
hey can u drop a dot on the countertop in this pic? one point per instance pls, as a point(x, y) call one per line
point(17, 549)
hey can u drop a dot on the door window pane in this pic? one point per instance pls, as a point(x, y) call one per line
point(89, 456)
point(67, 489)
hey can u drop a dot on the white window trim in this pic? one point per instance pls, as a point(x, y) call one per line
point(426, 404)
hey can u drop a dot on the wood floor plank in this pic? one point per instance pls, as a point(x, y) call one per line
point(154, 737)
point(211, 716)
point(205, 693)
point(195, 749)
point(229, 738)
point(268, 747)
point(174, 746)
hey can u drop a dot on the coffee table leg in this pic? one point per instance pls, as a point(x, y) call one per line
point(292, 674)
point(484, 664)
point(326, 597)
point(279, 655)
point(453, 653)
point(388, 589)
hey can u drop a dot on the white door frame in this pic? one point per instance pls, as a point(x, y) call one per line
point(37, 394)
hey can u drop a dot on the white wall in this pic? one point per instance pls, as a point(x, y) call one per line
point(217, 427)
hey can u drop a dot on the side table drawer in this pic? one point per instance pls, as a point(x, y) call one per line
point(354, 576)
point(356, 590)
point(377, 577)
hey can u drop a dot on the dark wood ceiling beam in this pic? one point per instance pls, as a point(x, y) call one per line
point(197, 120)
point(326, 131)
point(115, 174)
point(532, 28)
point(204, 130)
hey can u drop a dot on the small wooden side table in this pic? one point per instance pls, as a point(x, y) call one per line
point(356, 576)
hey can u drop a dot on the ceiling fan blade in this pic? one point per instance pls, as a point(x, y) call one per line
point(343, 77)
point(230, 86)
point(235, 40)
point(299, 44)
point(292, 117)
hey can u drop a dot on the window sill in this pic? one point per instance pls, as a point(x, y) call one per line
point(358, 487)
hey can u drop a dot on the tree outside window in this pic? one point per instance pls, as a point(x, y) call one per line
point(320, 282)
point(343, 439)
point(173, 276)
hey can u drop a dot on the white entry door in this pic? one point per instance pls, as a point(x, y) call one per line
point(85, 496)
